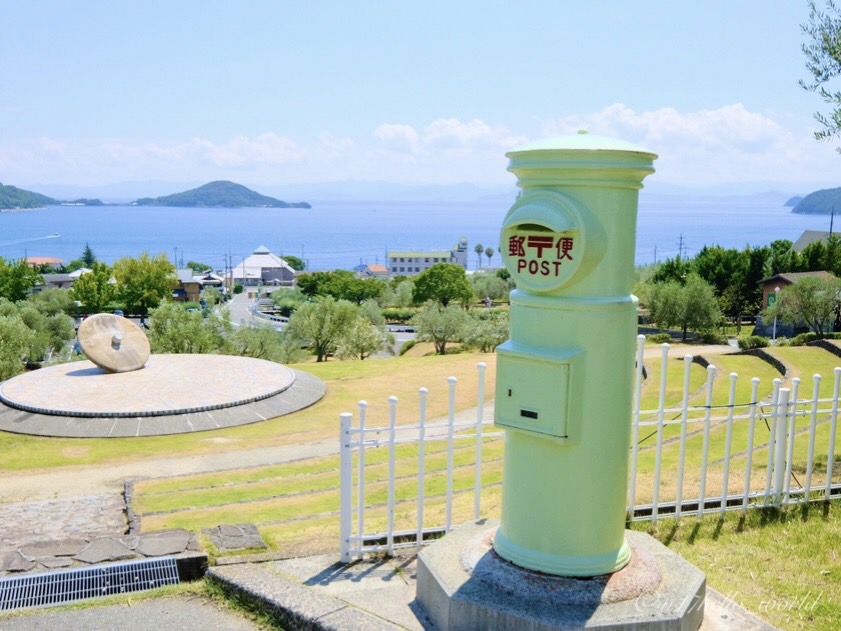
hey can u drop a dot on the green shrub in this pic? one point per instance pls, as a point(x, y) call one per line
point(238, 288)
point(711, 337)
point(658, 338)
point(804, 338)
point(407, 347)
point(749, 342)
point(399, 315)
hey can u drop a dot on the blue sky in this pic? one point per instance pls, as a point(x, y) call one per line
point(274, 93)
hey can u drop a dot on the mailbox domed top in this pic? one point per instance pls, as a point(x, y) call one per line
point(582, 141)
point(582, 159)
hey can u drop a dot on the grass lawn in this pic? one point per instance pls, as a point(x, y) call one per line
point(766, 560)
point(785, 566)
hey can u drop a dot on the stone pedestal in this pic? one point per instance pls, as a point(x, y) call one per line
point(464, 585)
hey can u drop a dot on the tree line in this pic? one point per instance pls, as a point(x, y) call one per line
point(718, 284)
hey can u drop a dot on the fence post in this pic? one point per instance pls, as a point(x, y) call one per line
point(421, 456)
point(780, 445)
point(661, 405)
point(728, 442)
point(834, 425)
point(480, 419)
point(635, 436)
point(816, 393)
point(392, 422)
point(345, 473)
point(684, 418)
point(360, 481)
point(769, 469)
point(706, 451)
point(451, 419)
point(754, 393)
point(792, 431)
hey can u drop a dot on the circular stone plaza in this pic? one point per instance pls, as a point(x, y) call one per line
point(171, 394)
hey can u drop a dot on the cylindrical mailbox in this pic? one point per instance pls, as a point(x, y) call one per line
point(564, 378)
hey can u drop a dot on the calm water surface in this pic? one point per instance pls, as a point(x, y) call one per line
point(343, 234)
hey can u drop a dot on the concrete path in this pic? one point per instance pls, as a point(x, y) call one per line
point(159, 614)
point(320, 593)
point(109, 478)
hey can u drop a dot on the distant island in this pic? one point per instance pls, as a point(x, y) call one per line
point(220, 194)
point(14, 198)
point(820, 202)
point(793, 201)
point(83, 202)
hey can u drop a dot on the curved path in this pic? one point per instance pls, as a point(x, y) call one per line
point(110, 478)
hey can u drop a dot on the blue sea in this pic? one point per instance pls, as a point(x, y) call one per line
point(336, 234)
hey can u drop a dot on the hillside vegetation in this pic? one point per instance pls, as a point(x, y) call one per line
point(14, 197)
point(219, 194)
point(820, 202)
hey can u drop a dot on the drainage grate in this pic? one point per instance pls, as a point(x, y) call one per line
point(64, 586)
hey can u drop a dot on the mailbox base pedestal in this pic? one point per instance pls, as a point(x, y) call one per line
point(561, 565)
point(463, 584)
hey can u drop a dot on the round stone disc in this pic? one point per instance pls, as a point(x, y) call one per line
point(113, 343)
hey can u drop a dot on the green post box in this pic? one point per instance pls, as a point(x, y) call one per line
point(564, 379)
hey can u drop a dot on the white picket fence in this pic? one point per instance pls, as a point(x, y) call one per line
point(768, 431)
point(756, 434)
point(362, 438)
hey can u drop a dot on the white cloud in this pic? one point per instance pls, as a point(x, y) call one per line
point(398, 137)
point(446, 134)
point(711, 146)
point(447, 150)
point(729, 144)
point(268, 148)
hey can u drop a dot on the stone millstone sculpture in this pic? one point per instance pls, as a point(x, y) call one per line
point(113, 343)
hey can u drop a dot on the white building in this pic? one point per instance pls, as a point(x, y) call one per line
point(262, 268)
point(411, 262)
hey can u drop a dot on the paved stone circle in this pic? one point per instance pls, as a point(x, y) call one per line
point(175, 394)
point(170, 384)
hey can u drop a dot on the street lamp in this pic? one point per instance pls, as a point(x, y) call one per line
point(776, 297)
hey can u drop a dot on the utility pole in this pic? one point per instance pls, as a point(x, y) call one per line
point(655, 254)
point(830, 246)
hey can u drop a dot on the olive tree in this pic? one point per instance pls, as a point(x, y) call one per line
point(491, 286)
point(823, 61)
point(440, 325)
point(263, 342)
point(320, 324)
point(811, 300)
point(690, 307)
point(45, 332)
point(173, 329)
point(14, 344)
point(363, 339)
point(486, 332)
